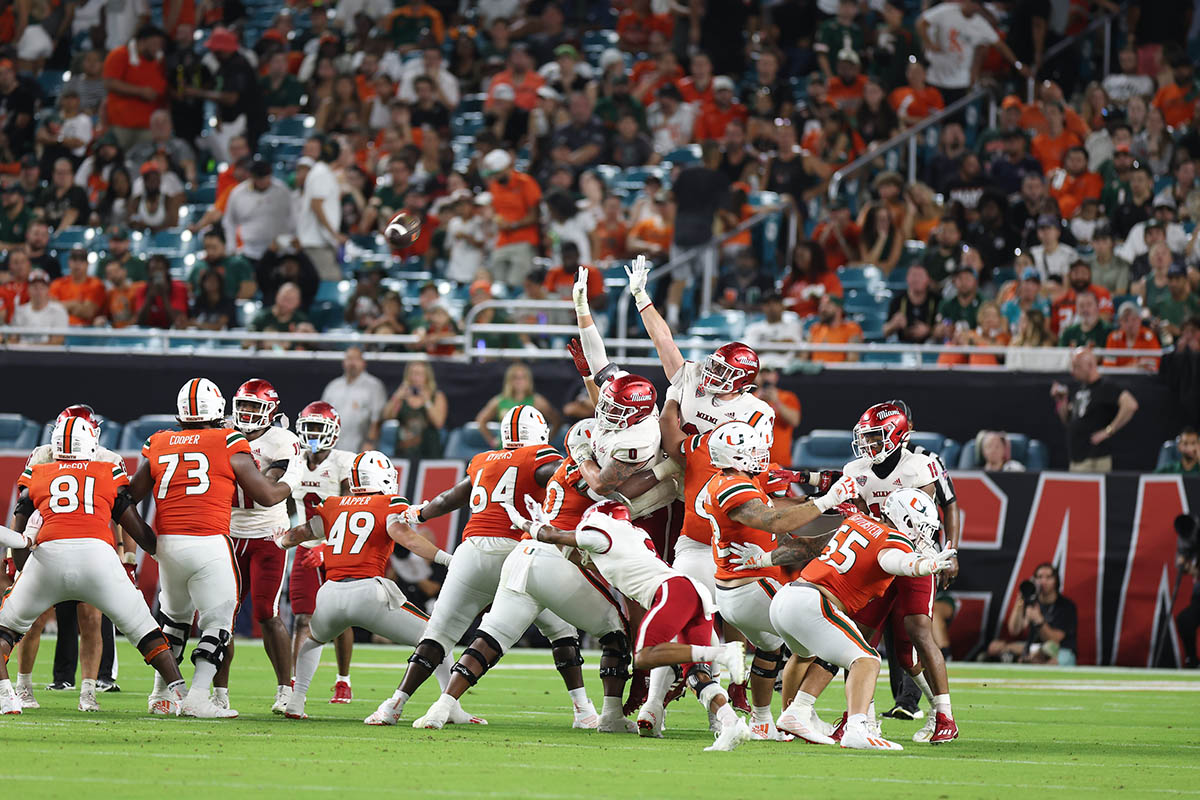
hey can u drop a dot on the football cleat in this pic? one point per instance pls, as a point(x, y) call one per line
point(765, 731)
point(60, 686)
point(204, 708)
point(730, 737)
point(819, 725)
point(874, 728)
point(946, 729)
point(858, 737)
point(733, 659)
point(801, 728)
point(650, 721)
point(615, 724)
point(107, 686)
point(437, 715)
point(639, 686)
point(586, 717)
point(220, 698)
point(9, 703)
point(926, 732)
point(87, 702)
point(294, 715)
point(900, 712)
point(386, 714)
point(341, 693)
point(460, 716)
point(25, 695)
point(738, 699)
point(160, 704)
point(839, 729)
point(283, 696)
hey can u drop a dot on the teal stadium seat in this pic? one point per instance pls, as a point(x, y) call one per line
point(140, 429)
point(823, 449)
point(1030, 452)
point(18, 433)
point(1168, 453)
point(467, 442)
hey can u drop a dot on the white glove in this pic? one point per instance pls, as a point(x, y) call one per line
point(519, 522)
point(278, 537)
point(411, 516)
point(537, 513)
point(843, 491)
point(579, 293)
point(638, 274)
point(749, 556)
point(932, 565)
point(580, 451)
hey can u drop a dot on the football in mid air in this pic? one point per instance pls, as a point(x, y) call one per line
point(403, 230)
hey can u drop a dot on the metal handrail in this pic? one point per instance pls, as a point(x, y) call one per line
point(1059, 47)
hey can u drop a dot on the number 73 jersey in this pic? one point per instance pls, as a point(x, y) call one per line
point(193, 479)
point(357, 544)
point(504, 476)
point(849, 565)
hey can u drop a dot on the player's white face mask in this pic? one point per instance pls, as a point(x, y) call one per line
point(318, 433)
point(250, 413)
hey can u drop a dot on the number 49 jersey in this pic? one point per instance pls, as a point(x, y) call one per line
point(193, 479)
point(252, 521)
point(504, 476)
point(849, 565)
point(912, 471)
point(357, 544)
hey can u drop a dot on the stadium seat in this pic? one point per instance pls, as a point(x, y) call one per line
point(66, 238)
point(933, 442)
point(689, 154)
point(387, 437)
point(467, 442)
point(18, 433)
point(1030, 452)
point(140, 429)
point(914, 251)
point(50, 81)
point(326, 315)
point(897, 279)
point(726, 325)
point(297, 127)
point(1167, 453)
point(823, 449)
point(868, 278)
point(204, 194)
point(110, 432)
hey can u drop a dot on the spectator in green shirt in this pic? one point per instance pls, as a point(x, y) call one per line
point(118, 251)
point(1188, 463)
point(284, 316)
point(281, 92)
point(1088, 328)
point(837, 34)
point(389, 195)
point(14, 217)
point(963, 308)
point(234, 270)
point(1178, 304)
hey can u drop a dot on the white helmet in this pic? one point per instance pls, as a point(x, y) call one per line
point(522, 426)
point(200, 401)
point(74, 439)
point(737, 445)
point(372, 473)
point(913, 513)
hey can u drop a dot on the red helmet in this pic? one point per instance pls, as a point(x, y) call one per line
point(83, 411)
point(318, 426)
point(255, 404)
point(610, 508)
point(731, 368)
point(625, 401)
point(880, 431)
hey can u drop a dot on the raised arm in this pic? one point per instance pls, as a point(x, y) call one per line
point(783, 516)
point(656, 326)
point(453, 498)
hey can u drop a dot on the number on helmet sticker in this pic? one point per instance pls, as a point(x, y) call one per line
point(843, 545)
point(199, 473)
point(64, 494)
point(505, 491)
point(359, 523)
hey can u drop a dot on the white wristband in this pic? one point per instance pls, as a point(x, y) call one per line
point(443, 558)
point(641, 299)
point(582, 309)
point(766, 559)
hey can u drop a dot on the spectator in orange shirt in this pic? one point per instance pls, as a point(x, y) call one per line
point(915, 100)
point(610, 233)
point(846, 87)
point(786, 406)
point(136, 84)
point(81, 294)
point(1033, 116)
point(838, 236)
point(561, 279)
point(121, 298)
point(1072, 184)
point(1130, 334)
point(660, 69)
point(832, 327)
point(1050, 147)
point(521, 76)
point(637, 22)
point(710, 125)
point(651, 236)
point(1177, 100)
point(516, 201)
point(698, 86)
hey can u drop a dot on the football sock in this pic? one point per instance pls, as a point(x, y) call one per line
point(702, 653)
point(24, 680)
point(399, 698)
point(343, 679)
point(442, 672)
point(6, 686)
point(87, 686)
point(923, 683)
point(661, 679)
point(760, 713)
point(804, 700)
point(727, 715)
point(160, 684)
point(871, 711)
point(856, 719)
point(611, 707)
point(579, 697)
point(203, 678)
point(941, 704)
point(178, 686)
point(221, 693)
point(306, 666)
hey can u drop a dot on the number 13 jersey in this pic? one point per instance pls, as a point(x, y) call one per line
point(849, 565)
point(193, 479)
point(504, 476)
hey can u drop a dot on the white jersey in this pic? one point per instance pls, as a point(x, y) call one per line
point(44, 454)
point(250, 521)
point(629, 563)
point(637, 444)
point(912, 471)
point(700, 411)
point(317, 485)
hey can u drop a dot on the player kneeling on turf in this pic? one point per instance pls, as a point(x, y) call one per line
point(76, 557)
point(813, 614)
point(360, 532)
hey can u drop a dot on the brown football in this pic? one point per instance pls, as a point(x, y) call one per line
point(403, 230)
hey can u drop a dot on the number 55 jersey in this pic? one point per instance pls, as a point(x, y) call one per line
point(849, 565)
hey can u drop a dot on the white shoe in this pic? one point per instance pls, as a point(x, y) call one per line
point(221, 699)
point(460, 716)
point(714, 724)
point(386, 714)
point(437, 715)
point(283, 696)
point(204, 708)
point(859, 737)
point(765, 731)
point(87, 702)
point(295, 707)
point(874, 727)
point(731, 736)
point(733, 659)
point(926, 733)
point(650, 720)
point(615, 723)
point(795, 724)
point(164, 704)
point(586, 717)
point(10, 703)
point(819, 725)
point(25, 695)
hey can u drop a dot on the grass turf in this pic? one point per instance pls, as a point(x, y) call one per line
point(1073, 732)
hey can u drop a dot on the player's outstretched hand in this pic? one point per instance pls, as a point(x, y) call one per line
point(313, 557)
point(519, 522)
point(826, 479)
point(941, 562)
point(536, 513)
point(749, 556)
point(411, 516)
point(846, 509)
point(844, 490)
point(575, 348)
point(579, 293)
point(639, 273)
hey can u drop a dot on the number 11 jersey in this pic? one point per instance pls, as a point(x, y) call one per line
point(504, 476)
point(193, 479)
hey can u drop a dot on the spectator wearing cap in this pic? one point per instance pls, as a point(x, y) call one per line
point(240, 107)
point(916, 99)
point(62, 203)
point(1088, 329)
point(583, 139)
point(81, 294)
point(319, 219)
point(1051, 256)
point(710, 125)
point(845, 88)
point(672, 121)
point(944, 255)
point(469, 234)
point(1178, 304)
point(960, 311)
point(1115, 171)
point(411, 22)
point(1151, 233)
point(120, 296)
point(258, 212)
point(840, 32)
point(508, 122)
point(181, 158)
point(1130, 334)
point(1108, 269)
point(432, 66)
point(617, 101)
point(776, 326)
point(1177, 99)
point(912, 313)
point(15, 217)
point(19, 103)
point(281, 92)
point(991, 143)
point(516, 201)
point(1079, 281)
point(521, 76)
point(41, 312)
point(1137, 204)
point(67, 132)
point(1014, 165)
point(29, 178)
point(1163, 219)
point(235, 271)
point(1028, 296)
point(637, 22)
point(1071, 184)
point(832, 327)
point(137, 85)
point(568, 72)
point(119, 252)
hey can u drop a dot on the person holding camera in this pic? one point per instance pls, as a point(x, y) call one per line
point(1093, 414)
point(1048, 620)
point(421, 409)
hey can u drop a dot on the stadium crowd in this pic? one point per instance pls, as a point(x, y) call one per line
point(226, 153)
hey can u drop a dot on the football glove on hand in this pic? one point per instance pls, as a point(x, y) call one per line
point(826, 478)
point(312, 557)
point(575, 348)
point(932, 565)
point(579, 293)
point(749, 556)
point(411, 516)
point(639, 273)
point(846, 509)
point(842, 491)
point(580, 451)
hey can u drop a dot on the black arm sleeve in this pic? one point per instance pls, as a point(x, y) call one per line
point(124, 501)
point(609, 370)
point(24, 506)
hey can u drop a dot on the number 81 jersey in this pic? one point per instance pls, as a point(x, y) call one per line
point(504, 476)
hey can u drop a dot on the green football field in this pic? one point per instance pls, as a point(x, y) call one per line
point(1028, 730)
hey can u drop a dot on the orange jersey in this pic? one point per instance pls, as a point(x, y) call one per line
point(566, 497)
point(504, 476)
point(849, 565)
point(75, 498)
point(357, 544)
point(719, 497)
point(697, 471)
point(193, 479)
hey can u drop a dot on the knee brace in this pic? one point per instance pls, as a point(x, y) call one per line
point(176, 633)
point(698, 674)
point(614, 655)
point(152, 645)
point(484, 662)
point(425, 661)
point(566, 653)
point(212, 647)
point(832, 669)
point(777, 661)
point(11, 637)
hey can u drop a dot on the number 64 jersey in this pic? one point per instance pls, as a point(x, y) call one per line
point(504, 476)
point(912, 471)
